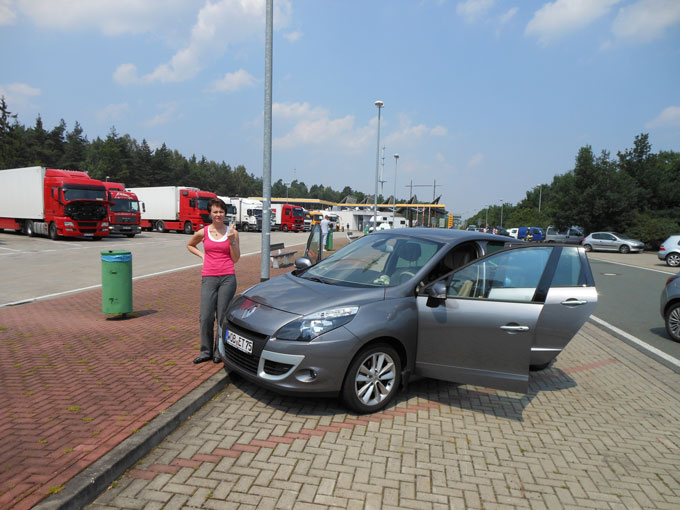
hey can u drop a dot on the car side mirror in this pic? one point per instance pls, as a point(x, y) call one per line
point(436, 294)
point(303, 262)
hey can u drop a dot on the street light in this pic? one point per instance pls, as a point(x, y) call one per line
point(501, 213)
point(379, 104)
point(394, 204)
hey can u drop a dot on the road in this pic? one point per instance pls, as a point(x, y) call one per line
point(629, 288)
point(35, 267)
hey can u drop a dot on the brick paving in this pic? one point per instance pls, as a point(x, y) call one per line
point(75, 384)
point(596, 430)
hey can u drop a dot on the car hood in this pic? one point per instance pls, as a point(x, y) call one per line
point(291, 294)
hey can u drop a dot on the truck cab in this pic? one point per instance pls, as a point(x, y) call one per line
point(124, 210)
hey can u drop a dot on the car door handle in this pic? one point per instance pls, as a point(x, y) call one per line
point(574, 302)
point(515, 328)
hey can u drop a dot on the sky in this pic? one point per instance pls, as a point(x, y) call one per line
point(485, 99)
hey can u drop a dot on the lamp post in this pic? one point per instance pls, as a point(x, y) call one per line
point(487, 216)
point(379, 105)
point(394, 204)
point(501, 213)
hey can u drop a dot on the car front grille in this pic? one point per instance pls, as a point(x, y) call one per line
point(247, 362)
point(276, 368)
point(87, 226)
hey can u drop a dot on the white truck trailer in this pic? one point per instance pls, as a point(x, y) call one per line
point(248, 214)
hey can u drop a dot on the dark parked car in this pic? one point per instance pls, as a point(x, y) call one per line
point(461, 306)
point(670, 307)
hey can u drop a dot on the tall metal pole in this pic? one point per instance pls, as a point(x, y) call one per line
point(379, 104)
point(267, 170)
point(394, 203)
point(501, 213)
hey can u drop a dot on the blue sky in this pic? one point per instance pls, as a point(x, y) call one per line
point(488, 98)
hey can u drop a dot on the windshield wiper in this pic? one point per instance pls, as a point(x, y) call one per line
point(320, 280)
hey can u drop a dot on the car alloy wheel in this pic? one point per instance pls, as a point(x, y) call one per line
point(673, 322)
point(624, 248)
point(588, 247)
point(373, 379)
point(673, 259)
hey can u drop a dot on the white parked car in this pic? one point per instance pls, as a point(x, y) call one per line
point(512, 232)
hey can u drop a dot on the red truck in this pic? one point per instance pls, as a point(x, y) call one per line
point(124, 215)
point(288, 217)
point(38, 200)
point(177, 208)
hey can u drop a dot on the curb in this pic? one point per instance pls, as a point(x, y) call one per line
point(93, 480)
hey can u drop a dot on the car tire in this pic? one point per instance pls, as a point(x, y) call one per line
point(539, 367)
point(372, 379)
point(587, 247)
point(673, 259)
point(53, 232)
point(624, 248)
point(672, 320)
point(188, 228)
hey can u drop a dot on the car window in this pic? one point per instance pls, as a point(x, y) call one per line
point(597, 236)
point(504, 276)
point(568, 272)
point(608, 237)
point(375, 261)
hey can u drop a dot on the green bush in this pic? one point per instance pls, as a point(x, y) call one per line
point(652, 231)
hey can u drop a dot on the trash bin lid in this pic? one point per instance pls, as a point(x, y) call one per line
point(116, 256)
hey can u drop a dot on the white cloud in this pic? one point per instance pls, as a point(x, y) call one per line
point(293, 36)
point(219, 25)
point(297, 111)
point(7, 14)
point(559, 18)
point(166, 115)
point(126, 74)
point(646, 19)
point(472, 10)
point(475, 160)
point(232, 82)
point(112, 112)
point(509, 15)
point(111, 17)
point(407, 134)
point(669, 117)
point(18, 94)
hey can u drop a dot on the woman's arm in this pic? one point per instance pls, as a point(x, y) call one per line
point(234, 246)
point(195, 240)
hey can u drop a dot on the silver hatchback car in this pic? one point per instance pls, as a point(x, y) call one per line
point(461, 306)
point(611, 241)
point(669, 251)
point(670, 307)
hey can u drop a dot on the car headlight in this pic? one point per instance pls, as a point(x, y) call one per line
point(105, 224)
point(68, 223)
point(310, 326)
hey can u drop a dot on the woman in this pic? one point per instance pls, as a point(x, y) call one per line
point(218, 283)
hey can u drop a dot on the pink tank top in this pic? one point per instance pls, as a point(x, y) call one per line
point(217, 260)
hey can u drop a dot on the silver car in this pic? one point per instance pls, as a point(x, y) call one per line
point(670, 307)
point(611, 241)
point(461, 306)
point(669, 251)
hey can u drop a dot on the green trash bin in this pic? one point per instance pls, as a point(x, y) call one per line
point(329, 241)
point(116, 282)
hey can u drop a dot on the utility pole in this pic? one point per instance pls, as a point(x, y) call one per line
point(382, 173)
point(434, 191)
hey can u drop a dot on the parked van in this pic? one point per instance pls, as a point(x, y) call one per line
point(534, 233)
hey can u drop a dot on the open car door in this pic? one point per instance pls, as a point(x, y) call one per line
point(314, 250)
point(483, 329)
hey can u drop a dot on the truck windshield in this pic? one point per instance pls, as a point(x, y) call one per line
point(299, 213)
point(84, 192)
point(231, 209)
point(202, 203)
point(125, 205)
point(257, 213)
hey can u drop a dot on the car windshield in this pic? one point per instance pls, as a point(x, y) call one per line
point(84, 192)
point(621, 236)
point(125, 205)
point(375, 261)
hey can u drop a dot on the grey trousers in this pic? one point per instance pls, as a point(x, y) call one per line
point(216, 294)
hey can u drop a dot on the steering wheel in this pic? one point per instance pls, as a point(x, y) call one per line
point(403, 277)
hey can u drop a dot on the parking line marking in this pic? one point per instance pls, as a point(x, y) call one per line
point(56, 294)
point(644, 345)
point(631, 265)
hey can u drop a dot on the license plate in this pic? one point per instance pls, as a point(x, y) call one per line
point(88, 235)
point(242, 344)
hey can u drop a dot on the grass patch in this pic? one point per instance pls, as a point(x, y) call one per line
point(87, 419)
point(96, 432)
point(3, 328)
point(42, 441)
point(169, 363)
point(73, 408)
point(30, 393)
point(166, 388)
point(68, 450)
point(55, 489)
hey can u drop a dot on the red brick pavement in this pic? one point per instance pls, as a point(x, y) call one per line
point(75, 384)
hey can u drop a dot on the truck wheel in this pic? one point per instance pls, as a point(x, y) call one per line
point(29, 229)
point(53, 231)
point(130, 235)
point(160, 226)
point(188, 229)
point(284, 228)
point(246, 227)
